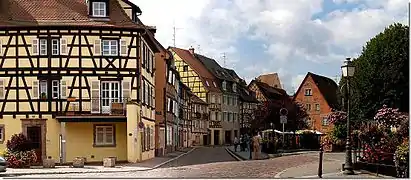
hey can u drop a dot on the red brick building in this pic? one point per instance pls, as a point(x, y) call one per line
point(319, 95)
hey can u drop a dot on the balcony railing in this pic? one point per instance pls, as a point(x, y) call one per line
point(98, 106)
point(215, 124)
point(215, 106)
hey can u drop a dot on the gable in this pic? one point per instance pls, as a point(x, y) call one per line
point(258, 93)
point(317, 95)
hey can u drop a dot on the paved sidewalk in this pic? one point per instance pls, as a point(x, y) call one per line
point(331, 169)
point(245, 155)
point(126, 167)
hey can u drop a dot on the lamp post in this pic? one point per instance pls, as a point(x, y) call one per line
point(348, 70)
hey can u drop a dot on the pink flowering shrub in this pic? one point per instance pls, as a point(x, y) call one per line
point(389, 117)
point(337, 117)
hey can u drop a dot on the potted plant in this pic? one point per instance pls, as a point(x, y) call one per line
point(71, 99)
point(43, 95)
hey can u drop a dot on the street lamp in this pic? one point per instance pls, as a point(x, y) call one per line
point(348, 70)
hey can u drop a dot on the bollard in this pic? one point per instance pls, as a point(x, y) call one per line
point(320, 165)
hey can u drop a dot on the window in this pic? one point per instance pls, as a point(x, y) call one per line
point(2, 89)
point(110, 93)
point(207, 83)
point(43, 89)
point(215, 85)
point(99, 9)
point(216, 116)
point(224, 85)
point(317, 107)
point(308, 92)
point(104, 135)
point(2, 133)
point(55, 47)
point(35, 47)
point(224, 116)
point(224, 99)
point(325, 121)
point(55, 89)
point(110, 47)
point(123, 47)
point(234, 87)
point(43, 46)
point(308, 107)
point(185, 68)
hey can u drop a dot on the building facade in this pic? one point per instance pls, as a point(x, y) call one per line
point(172, 89)
point(229, 104)
point(204, 85)
point(80, 77)
point(319, 96)
point(199, 115)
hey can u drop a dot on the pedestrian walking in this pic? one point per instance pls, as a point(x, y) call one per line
point(236, 142)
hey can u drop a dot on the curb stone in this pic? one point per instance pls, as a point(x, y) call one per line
point(238, 158)
point(94, 171)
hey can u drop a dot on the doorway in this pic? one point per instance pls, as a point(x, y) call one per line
point(110, 93)
point(216, 137)
point(34, 135)
point(227, 137)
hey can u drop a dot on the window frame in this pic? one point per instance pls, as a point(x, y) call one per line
point(42, 47)
point(326, 122)
point(45, 83)
point(185, 68)
point(104, 144)
point(308, 92)
point(308, 106)
point(94, 9)
point(317, 107)
point(53, 90)
point(2, 133)
point(54, 46)
point(110, 46)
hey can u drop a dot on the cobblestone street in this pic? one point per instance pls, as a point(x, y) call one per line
point(207, 162)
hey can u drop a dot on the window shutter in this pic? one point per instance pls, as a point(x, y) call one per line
point(35, 47)
point(126, 90)
point(123, 47)
point(153, 97)
point(97, 47)
point(144, 92)
point(152, 137)
point(63, 46)
point(63, 86)
point(95, 96)
point(35, 89)
point(2, 92)
point(1, 48)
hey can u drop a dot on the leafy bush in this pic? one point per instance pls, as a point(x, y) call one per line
point(17, 143)
point(19, 152)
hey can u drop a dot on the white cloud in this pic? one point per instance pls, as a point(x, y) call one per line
point(285, 29)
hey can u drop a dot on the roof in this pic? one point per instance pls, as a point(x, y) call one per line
point(197, 100)
point(198, 67)
point(60, 13)
point(268, 91)
point(215, 68)
point(271, 79)
point(247, 97)
point(328, 88)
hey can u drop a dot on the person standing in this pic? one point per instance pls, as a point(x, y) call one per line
point(235, 143)
point(256, 146)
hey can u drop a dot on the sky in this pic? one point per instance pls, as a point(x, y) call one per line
point(290, 37)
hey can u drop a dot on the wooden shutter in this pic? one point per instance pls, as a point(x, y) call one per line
point(1, 48)
point(153, 97)
point(35, 89)
point(143, 59)
point(126, 90)
point(97, 47)
point(152, 137)
point(95, 96)
point(144, 92)
point(123, 47)
point(63, 46)
point(35, 47)
point(63, 89)
point(2, 92)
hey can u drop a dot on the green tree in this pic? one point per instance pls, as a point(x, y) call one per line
point(382, 74)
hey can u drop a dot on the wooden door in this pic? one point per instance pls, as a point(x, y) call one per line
point(34, 135)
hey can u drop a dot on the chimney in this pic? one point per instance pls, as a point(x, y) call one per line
point(191, 50)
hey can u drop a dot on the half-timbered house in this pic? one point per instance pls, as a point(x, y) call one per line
point(204, 85)
point(77, 78)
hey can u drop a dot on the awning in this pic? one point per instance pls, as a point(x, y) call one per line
point(312, 131)
point(91, 118)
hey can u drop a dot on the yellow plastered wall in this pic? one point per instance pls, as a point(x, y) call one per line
point(79, 142)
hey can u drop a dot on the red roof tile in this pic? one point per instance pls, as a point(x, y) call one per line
point(60, 12)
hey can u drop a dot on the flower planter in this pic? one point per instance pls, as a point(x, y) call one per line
point(49, 163)
point(109, 162)
point(78, 162)
point(71, 99)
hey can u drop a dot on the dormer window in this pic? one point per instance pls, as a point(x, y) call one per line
point(234, 87)
point(207, 83)
point(224, 85)
point(215, 85)
point(99, 9)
